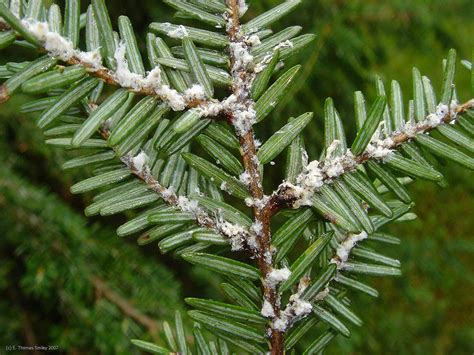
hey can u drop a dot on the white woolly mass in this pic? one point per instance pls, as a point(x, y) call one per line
point(316, 174)
point(345, 248)
point(239, 103)
point(261, 203)
point(281, 323)
point(313, 177)
point(249, 201)
point(235, 233)
point(191, 206)
point(268, 254)
point(436, 118)
point(241, 55)
point(255, 160)
point(178, 32)
point(245, 178)
point(301, 308)
point(284, 44)
point(277, 276)
point(123, 75)
point(39, 29)
point(244, 115)
point(335, 169)
point(295, 309)
point(244, 119)
point(262, 64)
point(253, 40)
point(92, 59)
point(252, 242)
point(195, 92)
point(174, 99)
point(62, 48)
point(442, 109)
point(153, 79)
point(152, 82)
point(211, 108)
point(139, 161)
point(380, 149)
point(433, 120)
point(257, 228)
point(267, 310)
point(59, 46)
point(223, 186)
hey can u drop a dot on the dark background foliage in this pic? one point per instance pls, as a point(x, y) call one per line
point(52, 256)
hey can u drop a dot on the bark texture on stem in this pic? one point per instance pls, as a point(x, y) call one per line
point(241, 89)
point(294, 195)
point(125, 306)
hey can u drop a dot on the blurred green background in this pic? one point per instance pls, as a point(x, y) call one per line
point(70, 281)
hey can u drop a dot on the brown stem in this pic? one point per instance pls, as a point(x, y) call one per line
point(144, 174)
point(108, 77)
point(262, 216)
point(125, 306)
point(203, 219)
point(235, 16)
point(286, 196)
point(103, 74)
point(249, 157)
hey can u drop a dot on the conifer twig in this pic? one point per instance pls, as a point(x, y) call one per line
point(62, 48)
point(139, 167)
point(318, 174)
point(247, 103)
point(125, 306)
point(241, 89)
